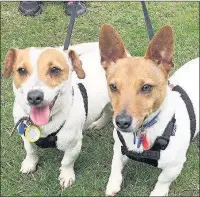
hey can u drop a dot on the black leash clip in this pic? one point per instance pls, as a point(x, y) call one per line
point(161, 143)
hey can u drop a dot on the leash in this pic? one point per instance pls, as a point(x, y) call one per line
point(71, 25)
point(147, 20)
point(73, 18)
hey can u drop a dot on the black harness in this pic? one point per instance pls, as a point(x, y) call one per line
point(85, 97)
point(152, 155)
point(190, 109)
point(50, 140)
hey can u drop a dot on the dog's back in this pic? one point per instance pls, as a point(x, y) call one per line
point(188, 78)
point(95, 80)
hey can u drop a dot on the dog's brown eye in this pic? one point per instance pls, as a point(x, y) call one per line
point(147, 88)
point(54, 71)
point(113, 87)
point(22, 71)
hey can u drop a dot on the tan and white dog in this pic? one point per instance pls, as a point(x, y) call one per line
point(46, 90)
point(138, 89)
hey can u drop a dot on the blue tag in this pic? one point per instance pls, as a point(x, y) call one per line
point(134, 138)
point(139, 142)
point(21, 128)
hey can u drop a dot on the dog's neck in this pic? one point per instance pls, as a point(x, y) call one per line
point(166, 112)
point(60, 112)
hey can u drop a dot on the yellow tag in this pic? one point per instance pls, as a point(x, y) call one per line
point(32, 133)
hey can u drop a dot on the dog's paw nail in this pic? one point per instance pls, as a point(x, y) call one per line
point(66, 178)
point(112, 192)
point(27, 169)
point(158, 193)
point(66, 183)
point(113, 187)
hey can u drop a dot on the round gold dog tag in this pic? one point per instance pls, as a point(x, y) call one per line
point(32, 133)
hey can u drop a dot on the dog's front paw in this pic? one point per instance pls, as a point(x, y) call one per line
point(99, 124)
point(29, 165)
point(160, 190)
point(66, 178)
point(112, 188)
point(95, 126)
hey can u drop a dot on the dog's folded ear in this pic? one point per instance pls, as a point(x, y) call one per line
point(77, 64)
point(10, 59)
point(161, 48)
point(111, 46)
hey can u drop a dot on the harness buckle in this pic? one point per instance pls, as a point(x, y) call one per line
point(161, 142)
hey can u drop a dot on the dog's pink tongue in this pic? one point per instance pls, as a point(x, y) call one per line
point(40, 115)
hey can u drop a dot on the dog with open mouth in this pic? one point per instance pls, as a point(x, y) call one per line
point(58, 94)
point(155, 117)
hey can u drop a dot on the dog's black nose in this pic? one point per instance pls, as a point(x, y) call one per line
point(35, 97)
point(123, 121)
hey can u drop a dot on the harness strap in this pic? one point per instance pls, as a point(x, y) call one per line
point(189, 107)
point(150, 156)
point(153, 155)
point(85, 97)
point(162, 142)
point(122, 140)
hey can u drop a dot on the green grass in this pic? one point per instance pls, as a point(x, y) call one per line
point(93, 165)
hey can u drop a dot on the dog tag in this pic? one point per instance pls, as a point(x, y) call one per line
point(21, 128)
point(145, 142)
point(134, 138)
point(139, 142)
point(32, 133)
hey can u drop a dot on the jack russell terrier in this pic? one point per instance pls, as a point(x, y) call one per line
point(155, 117)
point(53, 104)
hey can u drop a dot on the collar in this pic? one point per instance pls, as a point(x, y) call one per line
point(151, 122)
point(148, 124)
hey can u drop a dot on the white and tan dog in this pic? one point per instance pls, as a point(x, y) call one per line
point(46, 90)
point(139, 93)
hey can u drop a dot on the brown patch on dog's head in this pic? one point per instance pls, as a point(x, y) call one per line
point(52, 67)
point(10, 58)
point(18, 62)
point(137, 85)
point(77, 64)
